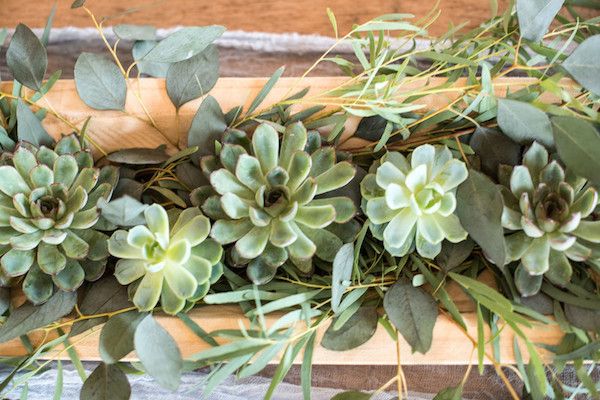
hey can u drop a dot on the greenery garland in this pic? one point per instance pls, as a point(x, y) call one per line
point(276, 210)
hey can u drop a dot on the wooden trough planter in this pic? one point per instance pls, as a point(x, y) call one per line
point(114, 130)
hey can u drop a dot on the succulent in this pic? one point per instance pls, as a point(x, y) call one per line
point(410, 203)
point(48, 217)
point(174, 264)
point(548, 212)
point(270, 199)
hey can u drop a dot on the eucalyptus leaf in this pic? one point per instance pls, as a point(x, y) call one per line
point(342, 274)
point(103, 296)
point(184, 43)
point(116, 338)
point(535, 17)
point(494, 149)
point(583, 318)
point(158, 353)
point(77, 3)
point(355, 332)
point(207, 126)
point(479, 208)
point(129, 187)
point(124, 211)
point(453, 255)
point(99, 82)
point(351, 395)
point(413, 312)
point(135, 32)
point(139, 156)
point(524, 123)
point(4, 299)
point(106, 382)
point(262, 94)
point(450, 393)
point(584, 64)
point(577, 143)
point(155, 69)
point(29, 127)
point(29, 317)
point(26, 58)
point(192, 78)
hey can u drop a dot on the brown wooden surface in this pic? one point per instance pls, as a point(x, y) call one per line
point(302, 16)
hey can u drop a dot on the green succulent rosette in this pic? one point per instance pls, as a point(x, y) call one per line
point(48, 217)
point(174, 264)
point(548, 214)
point(271, 203)
point(410, 202)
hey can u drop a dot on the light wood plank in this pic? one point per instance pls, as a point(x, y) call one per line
point(450, 345)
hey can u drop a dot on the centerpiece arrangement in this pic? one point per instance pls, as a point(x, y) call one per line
point(334, 211)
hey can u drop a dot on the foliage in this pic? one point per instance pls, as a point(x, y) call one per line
point(50, 233)
point(281, 185)
point(411, 203)
point(266, 201)
point(175, 264)
point(550, 211)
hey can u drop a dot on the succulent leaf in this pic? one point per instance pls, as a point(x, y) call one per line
point(413, 200)
point(173, 265)
point(549, 212)
point(268, 200)
point(48, 212)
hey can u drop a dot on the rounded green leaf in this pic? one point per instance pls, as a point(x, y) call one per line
point(356, 331)
point(524, 123)
point(413, 312)
point(99, 82)
point(116, 337)
point(189, 79)
point(165, 365)
point(26, 58)
point(106, 382)
point(183, 44)
point(584, 64)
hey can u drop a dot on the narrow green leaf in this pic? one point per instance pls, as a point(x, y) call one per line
point(260, 97)
point(480, 340)
point(198, 331)
point(306, 368)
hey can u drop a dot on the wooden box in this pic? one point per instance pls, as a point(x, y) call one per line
point(114, 130)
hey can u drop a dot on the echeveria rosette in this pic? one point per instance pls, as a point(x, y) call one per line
point(48, 214)
point(411, 202)
point(267, 200)
point(174, 264)
point(548, 213)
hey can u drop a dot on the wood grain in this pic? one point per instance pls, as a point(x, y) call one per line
point(301, 16)
point(450, 345)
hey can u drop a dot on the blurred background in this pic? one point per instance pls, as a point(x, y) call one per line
point(262, 35)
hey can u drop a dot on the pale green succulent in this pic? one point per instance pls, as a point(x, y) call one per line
point(267, 205)
point(411, 203)
point(174, 264)
point(48, 216)
point(550, 212)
